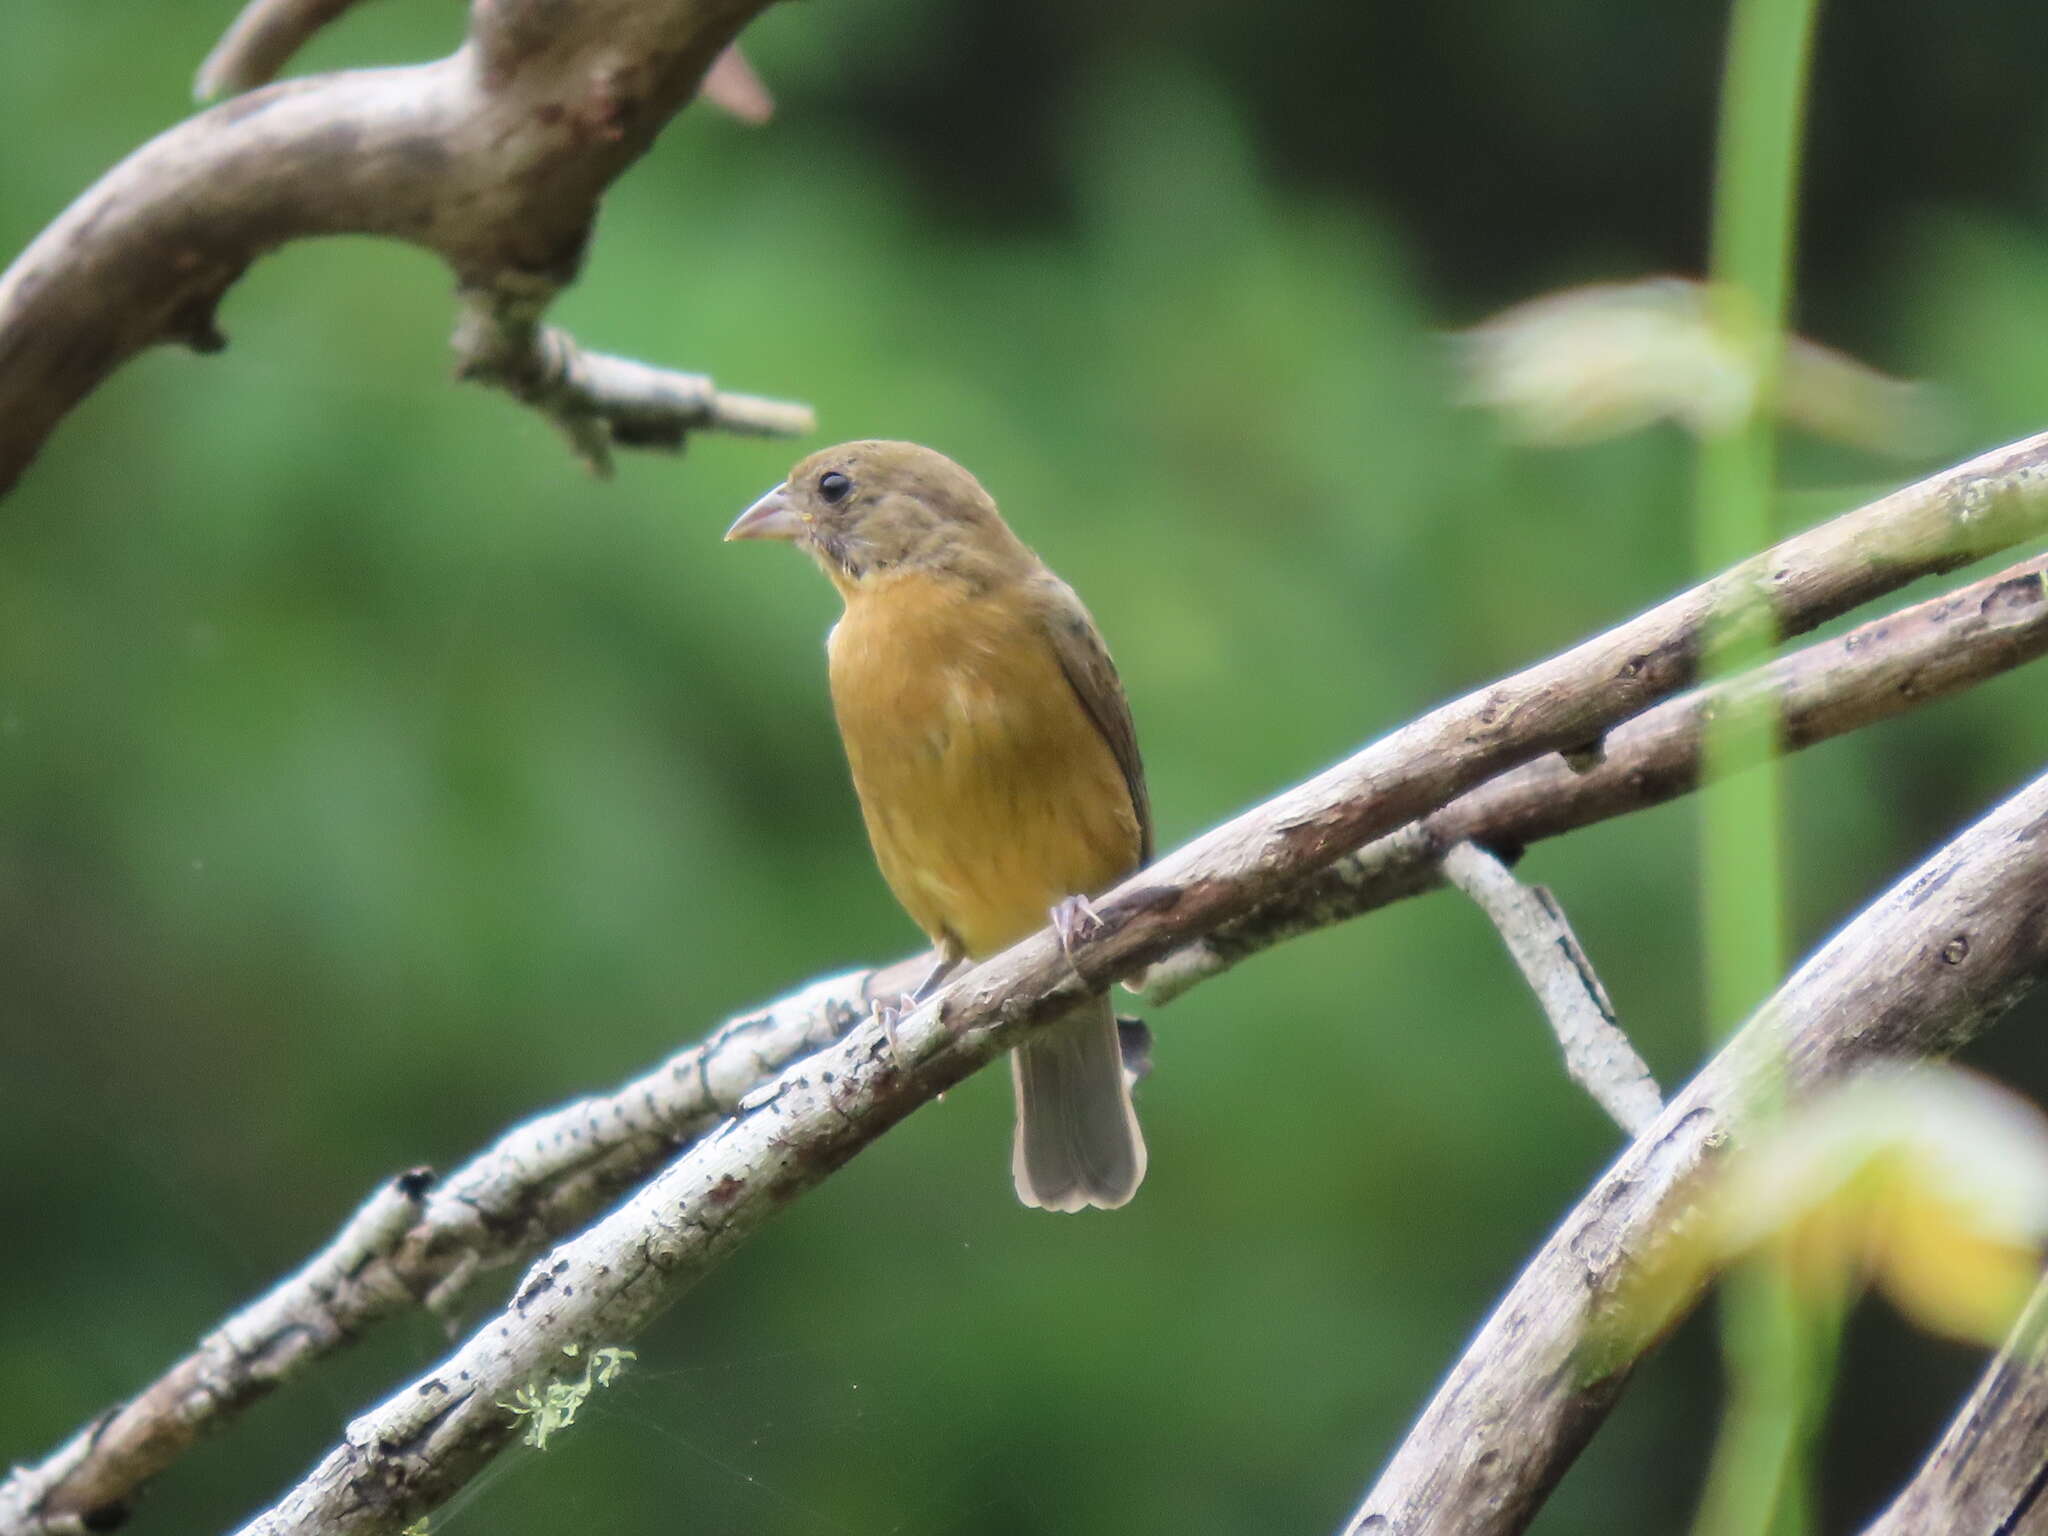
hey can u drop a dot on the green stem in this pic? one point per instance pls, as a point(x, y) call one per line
point(1759, 1483)
point(1780, 1350)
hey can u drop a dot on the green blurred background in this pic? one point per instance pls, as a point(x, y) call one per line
point(370, 778)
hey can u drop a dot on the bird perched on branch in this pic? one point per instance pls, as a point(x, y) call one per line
point(995, 760)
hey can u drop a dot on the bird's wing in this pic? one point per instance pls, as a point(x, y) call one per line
point(1085, 660)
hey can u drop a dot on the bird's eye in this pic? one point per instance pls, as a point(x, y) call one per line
point(833, 486)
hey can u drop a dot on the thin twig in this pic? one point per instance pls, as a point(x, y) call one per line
point(493, 158)
point(1597, 1052)
point(260, 42)
point(597, 400)
point(1920, 971)
point(521, 1194)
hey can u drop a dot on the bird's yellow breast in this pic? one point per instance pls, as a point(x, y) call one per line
point(989, 794)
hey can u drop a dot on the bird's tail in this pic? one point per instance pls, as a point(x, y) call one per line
point(1078, 1142)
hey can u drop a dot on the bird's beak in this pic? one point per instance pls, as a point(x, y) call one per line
point(771, 517)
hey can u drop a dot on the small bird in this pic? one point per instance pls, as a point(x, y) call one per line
point(995, 760)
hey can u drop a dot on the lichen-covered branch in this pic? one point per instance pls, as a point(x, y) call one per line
point(1919, 972)
point(1990, 1471)
point(1879, 670)
point(415, 1450)
point(1597, 1053)
point(494, 159)
point(546, 1177)
point(422, 1242)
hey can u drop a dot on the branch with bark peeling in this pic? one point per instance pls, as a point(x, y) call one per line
point(545, 1178)
point(494, 158)
point(1936, 959)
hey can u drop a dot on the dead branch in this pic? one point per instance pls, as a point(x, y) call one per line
point(1931, 963)
point(595, 400)
point(1597, 1053)
point(493, 158)
point(410, 1453)
point(544, 1178)
point(1991, 1468)
point(260, 42)
point(1874, 672)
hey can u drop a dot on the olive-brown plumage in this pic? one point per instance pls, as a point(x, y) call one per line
point(994, 756)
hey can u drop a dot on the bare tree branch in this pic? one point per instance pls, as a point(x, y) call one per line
point(1990, 1471)
point(1879, 670)
point(412, 1452)
point(1597, 1052)
point(260, 42)
point(1933, 961)
point(594, 399)
point(264, 37)
point(419, 1242)
point(493, 158)
point(544, 1178)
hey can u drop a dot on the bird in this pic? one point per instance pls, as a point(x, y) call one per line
point(995, 760)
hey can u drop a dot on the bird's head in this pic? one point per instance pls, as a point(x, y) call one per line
point(870, 509)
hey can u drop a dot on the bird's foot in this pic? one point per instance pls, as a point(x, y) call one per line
point(1076, 921)
point(888, 1012)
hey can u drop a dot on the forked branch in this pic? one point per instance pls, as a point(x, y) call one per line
point(493, 158)
point(1932, 962)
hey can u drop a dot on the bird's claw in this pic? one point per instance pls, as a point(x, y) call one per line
point(1076, 921)
point(888, 1012)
